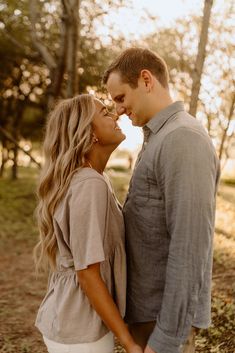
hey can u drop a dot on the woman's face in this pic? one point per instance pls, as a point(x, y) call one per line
point(105, 127)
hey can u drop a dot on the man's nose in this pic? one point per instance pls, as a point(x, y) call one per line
point(120, 110)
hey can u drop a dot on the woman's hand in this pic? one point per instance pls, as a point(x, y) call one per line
point(149, 350)
point(134, 349)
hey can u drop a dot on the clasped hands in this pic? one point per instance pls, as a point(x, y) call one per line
point(149, 350)
point(138, 349)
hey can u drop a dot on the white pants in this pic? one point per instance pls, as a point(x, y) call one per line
point(103, 345)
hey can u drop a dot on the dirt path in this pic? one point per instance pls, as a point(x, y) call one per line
point(20, 297)
point(21, 293)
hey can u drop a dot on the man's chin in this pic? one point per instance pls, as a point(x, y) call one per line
point(136, 123)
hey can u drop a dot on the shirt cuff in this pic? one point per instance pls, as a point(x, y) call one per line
point(162, 343)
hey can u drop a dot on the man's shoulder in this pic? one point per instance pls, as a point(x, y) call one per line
point(182, 130)
point(183, 122)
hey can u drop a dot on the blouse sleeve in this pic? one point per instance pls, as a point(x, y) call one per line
point(87, 222)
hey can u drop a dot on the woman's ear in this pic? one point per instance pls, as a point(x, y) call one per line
point(94, 138)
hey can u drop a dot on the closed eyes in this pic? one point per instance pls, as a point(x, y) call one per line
point(119, 99)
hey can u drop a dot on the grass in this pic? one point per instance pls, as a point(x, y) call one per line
point(21, 293)
point(17, 204)
point(229, 181)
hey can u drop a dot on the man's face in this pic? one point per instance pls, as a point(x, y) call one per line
point(128, 100)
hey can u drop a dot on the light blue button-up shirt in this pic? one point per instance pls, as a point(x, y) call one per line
point(169, 217)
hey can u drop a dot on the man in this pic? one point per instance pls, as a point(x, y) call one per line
point(170, 208)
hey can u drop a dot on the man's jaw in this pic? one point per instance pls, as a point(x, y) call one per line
point(130, 115)
point(132, 118)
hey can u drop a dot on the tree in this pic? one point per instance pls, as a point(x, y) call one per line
point(19, 91)
point(63, 50)
point(225, 130)
point(197, 72)
point(178, 45)
point(54, 58)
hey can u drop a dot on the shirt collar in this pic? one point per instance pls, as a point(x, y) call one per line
point(161, 117)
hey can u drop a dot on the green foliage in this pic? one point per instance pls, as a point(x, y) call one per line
point(25, 79)
point(33, 123)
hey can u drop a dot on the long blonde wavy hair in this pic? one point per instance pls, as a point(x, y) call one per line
point(68, 138)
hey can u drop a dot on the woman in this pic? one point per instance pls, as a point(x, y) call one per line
point(81, 233)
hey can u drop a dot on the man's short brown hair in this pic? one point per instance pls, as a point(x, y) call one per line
point(132, 61)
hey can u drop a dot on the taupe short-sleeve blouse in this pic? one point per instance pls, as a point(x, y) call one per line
point(89, 228)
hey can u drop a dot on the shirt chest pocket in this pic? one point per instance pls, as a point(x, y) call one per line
point(145, 188)
point(148, 201)
point(150, 216)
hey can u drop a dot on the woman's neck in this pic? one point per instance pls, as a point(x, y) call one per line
point(97, 161)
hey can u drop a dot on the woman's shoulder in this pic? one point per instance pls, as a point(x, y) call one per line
point(86, 183)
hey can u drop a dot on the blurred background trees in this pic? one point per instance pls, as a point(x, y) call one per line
point(214, 78)
point(51, 49)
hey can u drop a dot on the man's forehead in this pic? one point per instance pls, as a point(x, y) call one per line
point(115, 80)
point(115, 85)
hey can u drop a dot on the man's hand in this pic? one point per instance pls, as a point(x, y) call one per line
point(149, 350)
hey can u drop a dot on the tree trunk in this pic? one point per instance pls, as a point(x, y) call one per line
point(197, 73)
point(4, 157)
point(55, 63)
point(15, 161)
point(224, 136)
point(19, 109)
point(72, 69)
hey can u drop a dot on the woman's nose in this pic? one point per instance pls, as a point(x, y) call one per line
point(115, 117)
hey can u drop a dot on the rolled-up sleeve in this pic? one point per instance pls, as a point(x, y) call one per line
point(186, 171)
point(87, 222)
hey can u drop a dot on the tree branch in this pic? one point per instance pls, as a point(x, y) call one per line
point(196, 76)
point(61, 54)
point(24, 50)
point(224, 135)
point(46, 55)
point(10, 138)
point(66, 7)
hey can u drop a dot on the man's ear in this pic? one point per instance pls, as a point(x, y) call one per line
point(147, 78)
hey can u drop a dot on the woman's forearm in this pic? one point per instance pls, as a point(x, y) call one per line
point(101, 300)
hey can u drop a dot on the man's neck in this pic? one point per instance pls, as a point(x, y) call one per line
point(160, 104)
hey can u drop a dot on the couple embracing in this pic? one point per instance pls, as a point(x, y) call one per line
point(141, 273)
